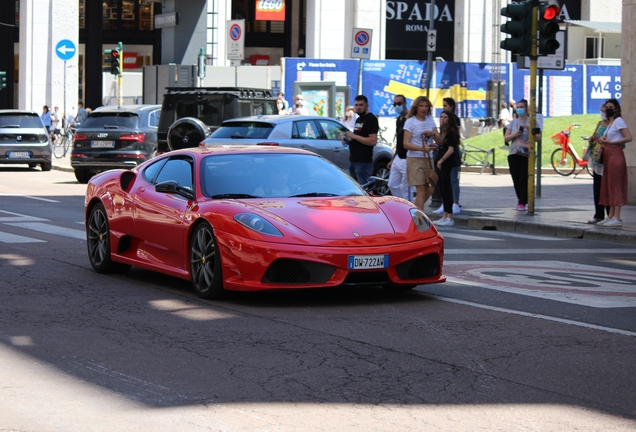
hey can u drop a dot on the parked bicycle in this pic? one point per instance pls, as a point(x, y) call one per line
point(63, 143)
point(565, 160)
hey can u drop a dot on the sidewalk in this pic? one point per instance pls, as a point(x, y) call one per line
point(488, 202)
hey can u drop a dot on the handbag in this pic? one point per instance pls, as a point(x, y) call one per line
point(431, 175)
point(599, 156)
point(588, 151)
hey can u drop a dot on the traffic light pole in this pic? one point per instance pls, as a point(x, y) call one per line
point(120, 77)
point(532, 108)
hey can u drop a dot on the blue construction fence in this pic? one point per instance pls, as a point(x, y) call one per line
point(578, 89)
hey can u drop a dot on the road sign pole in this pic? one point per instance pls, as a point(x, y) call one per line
point(532, 108)
point(64, 107)
point(120, 77)
point(429, 57)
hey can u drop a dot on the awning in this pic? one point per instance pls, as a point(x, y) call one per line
point(597, 26)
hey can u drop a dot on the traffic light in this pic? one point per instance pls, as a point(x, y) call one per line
point(3, 80)
point(518, 27)
point(548, 28)
point(115, 62)
point(108, 60)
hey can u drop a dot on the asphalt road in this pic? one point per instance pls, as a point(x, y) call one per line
point(529, 333)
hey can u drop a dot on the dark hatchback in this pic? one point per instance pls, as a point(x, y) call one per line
point(115, 137)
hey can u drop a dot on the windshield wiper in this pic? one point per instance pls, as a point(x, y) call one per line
point(237, 136)
point(111, 127)
point(315, 194)
point(13, 126)
point(234, 195)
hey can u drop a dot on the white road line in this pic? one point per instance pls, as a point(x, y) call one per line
point(12, 238)
point(15, 217)
point(523, 252)
point(531, 315)
point(30, 197)
point(467, 237)
point(51, 229)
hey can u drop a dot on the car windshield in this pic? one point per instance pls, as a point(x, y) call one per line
point(110, 120)
point(23, 121)
point(244, 129)
point(273, 175)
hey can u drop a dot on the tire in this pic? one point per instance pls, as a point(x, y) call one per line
point(58, 148)
point(82, 176)
point(380, 170)
point(187, 132)
point(205, 263)
point(46, 166)
point(567, 167)
point(589, 170)
point(98, 242)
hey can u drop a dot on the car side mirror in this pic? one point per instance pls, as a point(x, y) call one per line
point(173, 187)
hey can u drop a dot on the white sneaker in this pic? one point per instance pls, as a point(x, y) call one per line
point(440, 210)
point(441, 222)
point(612, 223)
point(449, 222)
point(456, 208)
point(603, 222)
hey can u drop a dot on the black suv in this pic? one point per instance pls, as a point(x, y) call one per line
point(115, 137)
point(211, 106)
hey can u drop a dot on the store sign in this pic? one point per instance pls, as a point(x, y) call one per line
point(130, 60)
point(259, 60)
point(270, 10)
point(166, 20)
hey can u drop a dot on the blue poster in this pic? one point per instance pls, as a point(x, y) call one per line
point(467, 83)
point(603, 82)
point(383, 79)
point(343, 72)
point(562, 90)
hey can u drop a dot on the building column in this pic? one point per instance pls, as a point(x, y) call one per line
point(44, 23)
point(181, 44)
point(628, 91)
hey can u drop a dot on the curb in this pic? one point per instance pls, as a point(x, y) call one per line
point(495, 224)
point(62, 168)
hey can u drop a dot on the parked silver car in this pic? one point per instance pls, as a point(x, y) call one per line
point(24, 139)
point(320, 135)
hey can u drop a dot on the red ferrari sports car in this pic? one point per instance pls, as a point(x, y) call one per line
point(249, 218)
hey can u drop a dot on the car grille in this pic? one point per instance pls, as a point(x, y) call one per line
point(419, 268)
point(289, 271)
point(377, 277)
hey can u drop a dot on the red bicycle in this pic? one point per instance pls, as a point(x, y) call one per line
point(565, 160)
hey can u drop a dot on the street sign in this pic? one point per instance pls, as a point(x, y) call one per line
point(235, 39)
point(361, 44)
point(431, 40)
point(65, 49)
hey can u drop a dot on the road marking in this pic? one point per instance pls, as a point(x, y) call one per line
point(510, 234)
point(523, 252)
point(30, 197)
point(51, 229)
point(467, 237)
point(15, 217)
point(12, 238)
point(586, 285)
point(531, 315)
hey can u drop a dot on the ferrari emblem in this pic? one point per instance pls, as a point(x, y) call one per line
point(355, 234)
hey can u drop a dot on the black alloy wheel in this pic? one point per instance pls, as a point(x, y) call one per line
point(205, 263)
point(98, 242)
point(382, 171)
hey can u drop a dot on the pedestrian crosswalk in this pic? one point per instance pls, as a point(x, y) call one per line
point(33, 226)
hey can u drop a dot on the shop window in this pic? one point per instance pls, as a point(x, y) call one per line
point(591, 47)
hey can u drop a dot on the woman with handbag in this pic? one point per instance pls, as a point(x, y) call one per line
point(614, 180)
point(448, 140)
point(420, 171)
point(591, 155)
point(518, 134)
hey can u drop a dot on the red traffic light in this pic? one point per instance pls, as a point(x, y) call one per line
point(551, 12)
point(115, 53)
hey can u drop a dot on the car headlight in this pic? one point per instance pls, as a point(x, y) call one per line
point(257, 223)
point(420, 220)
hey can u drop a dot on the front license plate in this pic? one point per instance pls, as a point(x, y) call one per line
point(103, 144)
point(19, 155)
point(361, 262)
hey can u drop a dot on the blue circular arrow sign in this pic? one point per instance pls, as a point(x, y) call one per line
point(65, 49)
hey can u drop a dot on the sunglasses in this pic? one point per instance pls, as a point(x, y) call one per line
point(397, 103)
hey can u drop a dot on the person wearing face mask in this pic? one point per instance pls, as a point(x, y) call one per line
point(280, 106)
point(593, 147)
point(398, 181)
point(518, 135)
point(614, 180)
